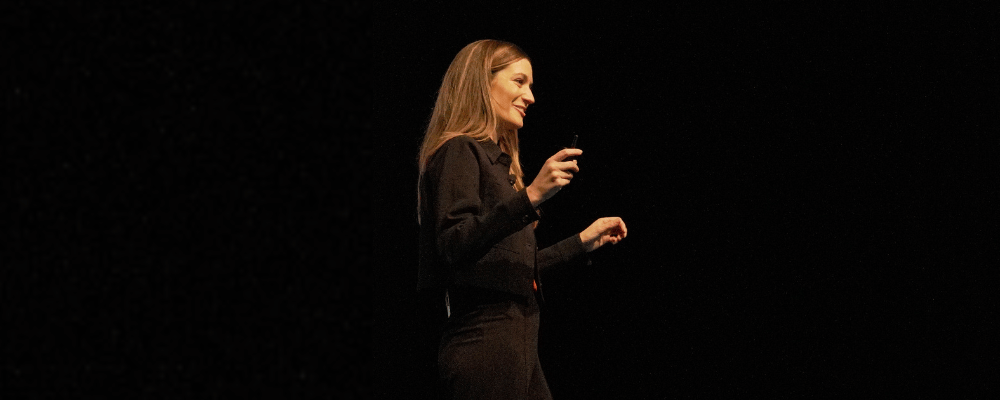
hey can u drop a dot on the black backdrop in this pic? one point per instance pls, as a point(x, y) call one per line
point(180, 215)
point(186, 197)
point(791, 176)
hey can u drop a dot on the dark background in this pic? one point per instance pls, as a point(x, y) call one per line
point(802, 185)
point(181, 219)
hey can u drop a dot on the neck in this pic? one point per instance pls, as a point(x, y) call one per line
point(502, 130)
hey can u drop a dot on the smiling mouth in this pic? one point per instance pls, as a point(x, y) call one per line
point(520, 110)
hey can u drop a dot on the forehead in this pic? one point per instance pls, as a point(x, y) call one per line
point(522, 66)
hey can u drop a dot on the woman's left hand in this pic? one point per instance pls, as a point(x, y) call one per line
point(604, 230)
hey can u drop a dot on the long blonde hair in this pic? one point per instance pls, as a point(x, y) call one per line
point(464, 105)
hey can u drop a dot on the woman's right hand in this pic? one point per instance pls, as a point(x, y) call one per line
point(555, 174)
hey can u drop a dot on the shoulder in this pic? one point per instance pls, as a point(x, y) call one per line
point(461, 142)
point(458, 158)
point(458, 147)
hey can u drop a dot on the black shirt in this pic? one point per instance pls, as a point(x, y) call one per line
point(476, 229)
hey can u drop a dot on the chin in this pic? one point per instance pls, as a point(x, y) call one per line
point(517, 123)
point(508, 124)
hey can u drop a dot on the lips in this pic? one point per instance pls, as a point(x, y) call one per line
point(520, 110)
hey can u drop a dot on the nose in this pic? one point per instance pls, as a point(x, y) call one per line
point(528, 97)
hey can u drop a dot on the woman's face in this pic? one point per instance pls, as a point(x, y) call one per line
point(511, 92)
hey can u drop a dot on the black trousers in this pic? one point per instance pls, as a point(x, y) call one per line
point(489, 349)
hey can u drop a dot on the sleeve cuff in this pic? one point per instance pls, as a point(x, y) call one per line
point(521, 210)
point(577, 249)
point(569, 251)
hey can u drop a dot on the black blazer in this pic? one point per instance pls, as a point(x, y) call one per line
point(476, 229)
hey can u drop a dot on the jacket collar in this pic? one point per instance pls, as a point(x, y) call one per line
point(495, 154)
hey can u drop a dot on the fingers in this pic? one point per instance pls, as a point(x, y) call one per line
point(603, 231)
point(561, 178)
point(563, 173)
point(616, 225)
point(563, 165)
point(562, 154)
point(566, 166)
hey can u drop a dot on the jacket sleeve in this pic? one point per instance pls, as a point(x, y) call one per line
point(568, 251)
point(465, 228)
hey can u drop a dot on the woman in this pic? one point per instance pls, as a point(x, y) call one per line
point(477, 219)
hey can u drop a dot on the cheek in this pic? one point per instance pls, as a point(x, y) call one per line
point(513, 94)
